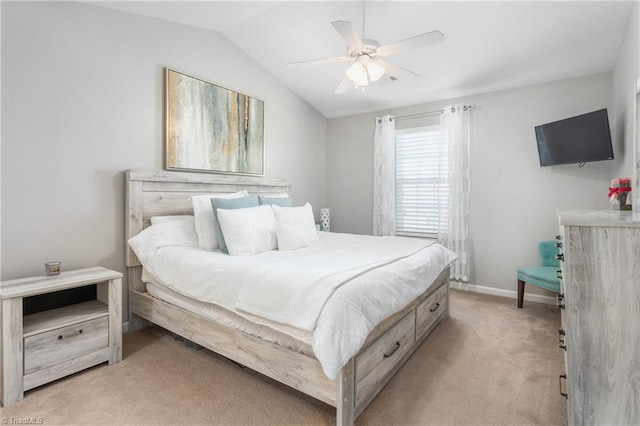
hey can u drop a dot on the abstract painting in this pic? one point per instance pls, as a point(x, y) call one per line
point(212, 129)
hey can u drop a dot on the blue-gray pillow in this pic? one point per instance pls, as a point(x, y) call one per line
point(278, 201)
point(230, 204)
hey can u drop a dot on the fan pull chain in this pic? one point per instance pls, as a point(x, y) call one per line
point(364, 15)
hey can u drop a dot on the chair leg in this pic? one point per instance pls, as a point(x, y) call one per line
point(520, 293)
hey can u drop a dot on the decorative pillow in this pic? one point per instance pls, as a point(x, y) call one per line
point(248, 231)
point(165, 233)
point(296, 227)
point(230, 204)
point(155, 220)
point(277, 201)
point(204, 219)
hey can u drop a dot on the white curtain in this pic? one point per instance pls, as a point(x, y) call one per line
point(454, 218)
point(384, 204)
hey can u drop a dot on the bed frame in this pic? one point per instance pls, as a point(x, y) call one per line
point(388, 346)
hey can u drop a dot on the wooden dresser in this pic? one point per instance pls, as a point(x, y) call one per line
point(600, 267)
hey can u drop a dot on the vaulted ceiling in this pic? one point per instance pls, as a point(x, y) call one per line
point(487, 45)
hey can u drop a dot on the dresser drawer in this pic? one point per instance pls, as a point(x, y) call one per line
point(429, 310)
point(62, 344)
point(374, 363)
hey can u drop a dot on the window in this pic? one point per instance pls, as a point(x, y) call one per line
point(422, 187)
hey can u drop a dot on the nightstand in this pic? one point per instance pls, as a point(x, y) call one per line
point(46, 346)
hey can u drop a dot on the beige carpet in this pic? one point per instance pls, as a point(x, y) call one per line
point(488, 364)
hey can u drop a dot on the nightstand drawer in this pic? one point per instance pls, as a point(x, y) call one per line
point(61, 344)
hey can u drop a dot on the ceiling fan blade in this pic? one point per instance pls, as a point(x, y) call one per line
point(333, 60)
point(393, 70)
point(344, 86)
point(422, 40)
point(348, 33)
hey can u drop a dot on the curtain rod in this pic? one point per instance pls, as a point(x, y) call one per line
point(419, 114)
point(423, 114)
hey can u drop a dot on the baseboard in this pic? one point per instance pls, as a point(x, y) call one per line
point(125, 326)
point(512, 294)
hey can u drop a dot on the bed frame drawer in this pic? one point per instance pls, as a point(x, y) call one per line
point(374, 365)
point(430, 310)
point(62, 344)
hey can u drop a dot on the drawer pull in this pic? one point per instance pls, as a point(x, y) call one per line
point(559, 244)
point(562, 376)
point(435, 307)
point(561, 343)
point(560, 256)
point(560, 300)
point(559, 274)
point(60, 336)
point(393, 351)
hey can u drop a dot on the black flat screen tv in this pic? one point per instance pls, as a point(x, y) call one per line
point(578, 139)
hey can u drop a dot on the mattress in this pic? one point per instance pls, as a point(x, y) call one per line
point(225, 317)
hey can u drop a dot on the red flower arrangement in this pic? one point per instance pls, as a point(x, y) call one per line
point(618, 193)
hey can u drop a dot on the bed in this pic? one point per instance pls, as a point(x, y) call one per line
point(385, 349)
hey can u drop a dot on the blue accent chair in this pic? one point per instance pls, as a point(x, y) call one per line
point(545, 276)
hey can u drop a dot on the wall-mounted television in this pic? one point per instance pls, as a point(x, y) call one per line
point(578, 139)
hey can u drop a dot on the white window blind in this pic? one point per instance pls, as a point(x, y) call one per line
point(422, 186)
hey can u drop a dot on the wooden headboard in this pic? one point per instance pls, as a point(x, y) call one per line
point(160, 193)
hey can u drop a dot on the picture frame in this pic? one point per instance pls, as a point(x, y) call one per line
point(212, 129)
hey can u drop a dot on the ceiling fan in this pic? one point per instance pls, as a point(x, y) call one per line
point(365, 54)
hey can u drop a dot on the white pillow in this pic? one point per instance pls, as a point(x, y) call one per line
point(205, 220)
point(165, 233)
point(296, 227)
point(248, 231)
point(155, 220)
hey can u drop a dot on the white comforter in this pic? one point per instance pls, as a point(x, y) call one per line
point(340, 288)
point(291, 287)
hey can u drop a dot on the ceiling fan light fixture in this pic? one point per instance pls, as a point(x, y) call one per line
point(358, 74)
point(375, 71)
